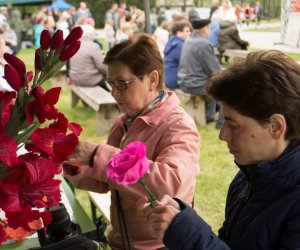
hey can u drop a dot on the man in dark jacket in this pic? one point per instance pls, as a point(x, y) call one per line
point(260, 97)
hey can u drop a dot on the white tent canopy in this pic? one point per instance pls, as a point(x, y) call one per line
point(290, 28)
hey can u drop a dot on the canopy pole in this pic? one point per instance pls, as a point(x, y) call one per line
point(147, 16)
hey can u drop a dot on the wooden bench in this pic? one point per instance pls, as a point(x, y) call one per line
point(100, 202)
point(232, 53)
point(99, 100)
point(193, 105)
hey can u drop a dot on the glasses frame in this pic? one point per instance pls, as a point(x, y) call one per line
point(111, 83)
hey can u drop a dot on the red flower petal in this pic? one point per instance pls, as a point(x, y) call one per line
point(12, 77)
point(52, 95)
point(74, 35)
point(45, 39)
point(8, 149)
point(38, 60)
point(69, 51)
point(63, 146)
point(57, 40)
point(15, 62)
point(75, 128)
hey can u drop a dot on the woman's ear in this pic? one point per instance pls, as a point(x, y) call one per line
point(278, 126)
point(153, 80)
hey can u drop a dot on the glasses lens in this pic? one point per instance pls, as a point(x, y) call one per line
point(120, 85)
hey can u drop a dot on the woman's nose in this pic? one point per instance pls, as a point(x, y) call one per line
point(224, 134)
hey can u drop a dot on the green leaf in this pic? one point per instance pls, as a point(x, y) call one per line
point(22, 137)
point(13, 125)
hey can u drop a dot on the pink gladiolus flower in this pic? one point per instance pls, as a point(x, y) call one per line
point(38, 60)
point(57, 40)
point(128, 166)
point(12, 77)
point(45, 39)
point(69, 51)
point(74, 35)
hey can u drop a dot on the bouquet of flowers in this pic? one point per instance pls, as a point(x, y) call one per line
point(27, 181)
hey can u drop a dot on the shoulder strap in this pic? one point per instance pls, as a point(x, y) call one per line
point(123, 226)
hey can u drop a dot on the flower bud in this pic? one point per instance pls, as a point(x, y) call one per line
point(16, 63)
point(69, 51)
point(12, 77)
point(37, 60)
point(74, 35)
point(57, 40)
point(45, 39)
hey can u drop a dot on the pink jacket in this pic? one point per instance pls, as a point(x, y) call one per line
point(172, 142)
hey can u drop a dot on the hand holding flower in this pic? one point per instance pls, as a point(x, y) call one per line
point(161, 216)
point(129, 166)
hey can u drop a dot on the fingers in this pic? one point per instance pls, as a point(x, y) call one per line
point(168, 200)
point(161, 218)
point(144, 206)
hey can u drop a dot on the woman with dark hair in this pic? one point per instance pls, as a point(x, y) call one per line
point(260, 98)
point(152, 115)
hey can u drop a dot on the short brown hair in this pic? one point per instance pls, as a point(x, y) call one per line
point(140, 53)
point(264, 83)
point(180, 25)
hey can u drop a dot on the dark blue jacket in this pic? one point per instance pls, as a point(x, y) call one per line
point(262, 211)
point(172, 54)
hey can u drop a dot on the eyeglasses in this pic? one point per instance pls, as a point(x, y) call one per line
point(120, 85)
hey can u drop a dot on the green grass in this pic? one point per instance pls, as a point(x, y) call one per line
point(216, 164)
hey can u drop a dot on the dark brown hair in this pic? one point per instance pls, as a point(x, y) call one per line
point(264, 83)
point(140, 54)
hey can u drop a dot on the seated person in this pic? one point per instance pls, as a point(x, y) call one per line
point(260, 97)
point(86, 68)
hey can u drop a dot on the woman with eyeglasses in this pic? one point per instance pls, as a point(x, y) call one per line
point(152, 115)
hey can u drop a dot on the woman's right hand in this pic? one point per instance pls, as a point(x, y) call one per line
point(82, 154)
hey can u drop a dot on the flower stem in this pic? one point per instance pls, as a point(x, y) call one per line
point(151, 195)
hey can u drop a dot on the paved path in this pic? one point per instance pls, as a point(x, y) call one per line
point(266, 40)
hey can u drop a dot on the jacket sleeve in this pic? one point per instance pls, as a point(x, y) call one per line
point(189, 231)
point(289, 238)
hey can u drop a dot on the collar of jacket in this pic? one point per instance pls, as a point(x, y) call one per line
point(154, 117)
point(284, 168)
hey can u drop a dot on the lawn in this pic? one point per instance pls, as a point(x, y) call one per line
point(216, 164)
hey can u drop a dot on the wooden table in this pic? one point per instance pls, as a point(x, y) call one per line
point(78, 213)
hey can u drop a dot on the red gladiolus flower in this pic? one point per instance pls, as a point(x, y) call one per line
point(57, 40)
point(38, 60)
point(54, 143)
point(69, 51)
point(43, 105)
point(35, 182)
point(74, 35)
point(8, 150)
point(45, 39)
point(12, 77)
